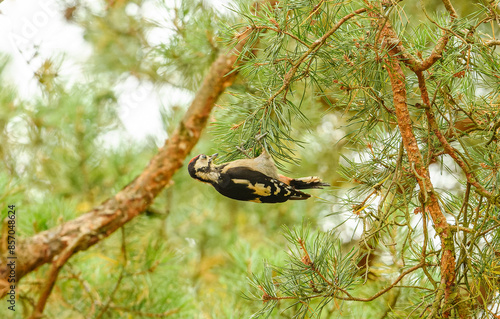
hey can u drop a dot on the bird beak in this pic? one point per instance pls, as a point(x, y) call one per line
point(212, 158)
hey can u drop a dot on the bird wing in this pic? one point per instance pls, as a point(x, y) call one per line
point(244, 183)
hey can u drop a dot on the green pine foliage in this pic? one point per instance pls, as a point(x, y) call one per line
point(347, 71)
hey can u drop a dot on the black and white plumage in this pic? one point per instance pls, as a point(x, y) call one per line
point(255, 180)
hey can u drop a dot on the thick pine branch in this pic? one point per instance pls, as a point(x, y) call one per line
point(428, 196)
point(132, 200)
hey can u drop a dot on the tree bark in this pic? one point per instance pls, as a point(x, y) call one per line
point(134, 198)
point(428, 196)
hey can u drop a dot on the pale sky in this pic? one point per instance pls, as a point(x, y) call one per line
point(35, 30)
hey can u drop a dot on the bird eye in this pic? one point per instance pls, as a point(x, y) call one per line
point(203, 156)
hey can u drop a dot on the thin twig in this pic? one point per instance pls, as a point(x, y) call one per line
point(291, 35)
point(56, 266)
point(471, 178)
point(120, 277)
point(307, 261)
point(312, 48)
point(349, 297)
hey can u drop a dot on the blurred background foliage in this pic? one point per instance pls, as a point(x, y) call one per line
point(189, 256)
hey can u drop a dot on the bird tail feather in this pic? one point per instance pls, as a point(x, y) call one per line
point(308, 182)
point(298, 195)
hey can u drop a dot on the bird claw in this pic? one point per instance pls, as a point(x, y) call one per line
point(242, 150)
point(259, 137)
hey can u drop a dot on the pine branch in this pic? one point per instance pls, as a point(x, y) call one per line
point(421, 172)
point(471, 178)
point(312, 48)
point(449, 72)
point(137, 196)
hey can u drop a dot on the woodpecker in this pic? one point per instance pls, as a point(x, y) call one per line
point(254, 180)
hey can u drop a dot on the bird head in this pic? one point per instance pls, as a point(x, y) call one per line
point(201, 167)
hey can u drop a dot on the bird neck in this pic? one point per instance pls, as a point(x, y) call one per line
point(210, 176)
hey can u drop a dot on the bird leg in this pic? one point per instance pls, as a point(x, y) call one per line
point(242, 150)
point(258, 139)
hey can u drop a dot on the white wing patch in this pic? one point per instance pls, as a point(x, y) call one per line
point(258, 188)
point(278, 189)
point(240, 181)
